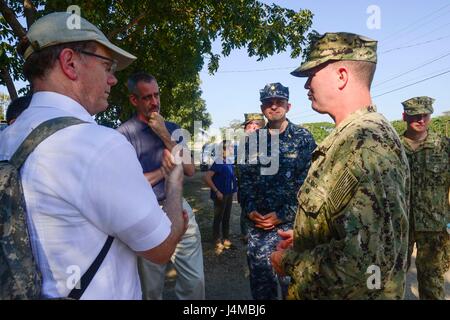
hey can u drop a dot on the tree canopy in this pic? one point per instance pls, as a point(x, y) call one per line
point(319, 130)
point(172, 40)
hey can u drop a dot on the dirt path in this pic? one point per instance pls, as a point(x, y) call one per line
point(226, 276)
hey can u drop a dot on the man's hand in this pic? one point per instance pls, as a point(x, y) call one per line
point(256, 217)
point(276, 258)
point(156, 122)
point(266, 222)
point(287, 239)
point(168, 162)
point(219, 195)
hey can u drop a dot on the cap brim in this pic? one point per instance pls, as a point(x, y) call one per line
point(414, 113)
point(303, 70)
point(123, 58)
point(300, 72)
point(275, 96)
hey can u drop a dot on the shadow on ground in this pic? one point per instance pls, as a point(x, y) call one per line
point(226, 275)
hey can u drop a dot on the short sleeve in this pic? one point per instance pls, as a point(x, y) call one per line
point(118, 199)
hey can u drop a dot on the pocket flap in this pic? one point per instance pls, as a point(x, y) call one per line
point(436, 162)
point(311, 202)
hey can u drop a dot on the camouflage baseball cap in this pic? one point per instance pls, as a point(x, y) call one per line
point(336, 47)
point(274, 90)
point(418, 105)
point(53, 29)
point(253, 117)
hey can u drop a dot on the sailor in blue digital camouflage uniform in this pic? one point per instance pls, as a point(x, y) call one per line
point(271, 195)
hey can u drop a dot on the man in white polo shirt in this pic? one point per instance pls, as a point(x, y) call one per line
point(84, 183)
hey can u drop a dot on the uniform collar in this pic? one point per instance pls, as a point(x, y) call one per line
point(328, 141)
point(286, 131)
point(430, 142)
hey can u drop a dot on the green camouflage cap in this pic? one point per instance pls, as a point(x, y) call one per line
point(418, 105)
point(336, 47)
point(253, 117)
point(55, 28)
point(274, 90)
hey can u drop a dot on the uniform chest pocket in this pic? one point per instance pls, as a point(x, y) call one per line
point(287, 167)
point(289, 158)
point(312, 224)
point(310, 203)
point(436, 169)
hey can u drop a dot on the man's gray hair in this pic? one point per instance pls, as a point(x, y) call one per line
point(137, 77)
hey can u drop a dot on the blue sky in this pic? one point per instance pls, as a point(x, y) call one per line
point(229, 95)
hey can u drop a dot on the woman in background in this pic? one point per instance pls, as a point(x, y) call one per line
point(222, 181)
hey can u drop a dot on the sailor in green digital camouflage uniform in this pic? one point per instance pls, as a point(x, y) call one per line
point(268, 190)
point(350, 237)
point(428, 156)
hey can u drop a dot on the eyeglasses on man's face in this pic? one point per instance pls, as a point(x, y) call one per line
point(111, 64)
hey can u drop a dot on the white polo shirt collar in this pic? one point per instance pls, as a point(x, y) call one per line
point(49, 99)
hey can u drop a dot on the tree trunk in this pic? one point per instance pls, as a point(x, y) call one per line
point(11, 18)
point(112, 34)
point(29, 11)
point(8, 82)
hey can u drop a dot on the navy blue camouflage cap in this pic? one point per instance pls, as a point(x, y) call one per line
point(274, 90)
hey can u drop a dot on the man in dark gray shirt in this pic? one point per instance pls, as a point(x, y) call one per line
point(151, 136)
point(149, 149)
